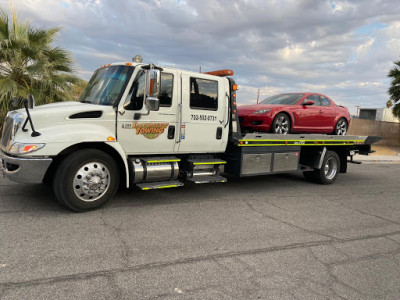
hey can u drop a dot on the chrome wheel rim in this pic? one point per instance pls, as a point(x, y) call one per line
point(341, 127)
point(281, 125)
point(330, 168)
point(91, 181)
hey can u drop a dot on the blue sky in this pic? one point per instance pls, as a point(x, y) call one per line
point(343, 49)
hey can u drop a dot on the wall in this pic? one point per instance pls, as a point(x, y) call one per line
point(388, 130)
point(387, 115)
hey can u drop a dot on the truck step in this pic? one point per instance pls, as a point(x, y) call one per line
point(206, 161)
point(207, 179)
point(159, 185)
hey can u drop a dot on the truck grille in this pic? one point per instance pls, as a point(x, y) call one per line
point(6, 136)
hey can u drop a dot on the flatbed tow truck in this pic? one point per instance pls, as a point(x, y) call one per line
point(152, 127)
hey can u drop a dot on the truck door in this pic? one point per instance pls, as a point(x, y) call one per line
point(204, 119)
point(152, 132)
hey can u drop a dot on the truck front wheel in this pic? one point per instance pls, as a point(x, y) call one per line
point(86, 179)
point(328, 172)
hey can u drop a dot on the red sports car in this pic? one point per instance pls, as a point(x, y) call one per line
point(295, 112)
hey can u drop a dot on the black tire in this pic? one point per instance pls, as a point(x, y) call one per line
point(328, 172)
point(341, 127)
point(281, 124)
point(86, 180)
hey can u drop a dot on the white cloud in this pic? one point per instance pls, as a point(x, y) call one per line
point(275, 46)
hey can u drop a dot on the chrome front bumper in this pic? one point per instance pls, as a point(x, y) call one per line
point(25, 170)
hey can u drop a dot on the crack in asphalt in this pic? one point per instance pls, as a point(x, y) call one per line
point(154, 265)
point(363, 212)
point(125, 249)
point(285, 222)
point(332, 280)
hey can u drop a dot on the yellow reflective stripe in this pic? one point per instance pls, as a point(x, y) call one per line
point(301, 140)
point(165, 160)
point(210, 163)
point(249, 145)
point(167, 186)
point(161, 187)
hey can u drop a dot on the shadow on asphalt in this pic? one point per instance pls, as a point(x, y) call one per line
point(40, 197)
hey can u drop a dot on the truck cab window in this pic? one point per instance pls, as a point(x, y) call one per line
point(167, 84)
point(135, 99)
point(203, 94)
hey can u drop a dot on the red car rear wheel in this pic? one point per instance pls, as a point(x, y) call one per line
point(341, 127)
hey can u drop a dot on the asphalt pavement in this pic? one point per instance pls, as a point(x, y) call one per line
point(266, 237)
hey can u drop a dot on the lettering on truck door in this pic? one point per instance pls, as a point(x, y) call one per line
point(154, 132)
point(204, 114)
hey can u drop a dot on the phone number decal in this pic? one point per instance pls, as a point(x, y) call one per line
point(208, 118)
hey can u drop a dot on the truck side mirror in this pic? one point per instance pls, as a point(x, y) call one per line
point(152, 104)
point(153, 77)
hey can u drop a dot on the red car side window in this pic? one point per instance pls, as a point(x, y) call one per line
point(325, 101)
point(314, 98)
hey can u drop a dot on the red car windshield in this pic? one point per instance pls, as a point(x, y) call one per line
point(283, 99)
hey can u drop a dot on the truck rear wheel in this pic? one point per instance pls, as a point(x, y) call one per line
point(86, 179)
point(328, 172)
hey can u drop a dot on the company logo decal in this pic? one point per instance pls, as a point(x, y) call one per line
point(148, 130)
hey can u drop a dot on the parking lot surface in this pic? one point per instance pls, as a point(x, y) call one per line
point(267, 237)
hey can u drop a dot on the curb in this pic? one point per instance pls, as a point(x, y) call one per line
point(392, 159)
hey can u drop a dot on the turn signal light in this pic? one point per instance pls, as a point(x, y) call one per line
point(29, 148)
point(235, 87)
point(110, 139)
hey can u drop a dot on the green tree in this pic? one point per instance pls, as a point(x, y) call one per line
point(394, 90)
point(31, 64)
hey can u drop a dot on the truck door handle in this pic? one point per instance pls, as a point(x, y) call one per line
point(171, 132)
point(219, 133)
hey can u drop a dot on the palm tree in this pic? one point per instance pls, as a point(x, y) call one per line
point(30, 64)
point(394, 90)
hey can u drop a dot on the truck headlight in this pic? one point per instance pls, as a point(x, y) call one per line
point(22, 148)
point(261, 111)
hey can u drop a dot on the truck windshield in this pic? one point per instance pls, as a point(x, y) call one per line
point(106, 85)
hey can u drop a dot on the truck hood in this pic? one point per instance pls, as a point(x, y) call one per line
point(60, 111)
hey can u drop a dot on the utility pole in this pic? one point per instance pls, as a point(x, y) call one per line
point(258, 95)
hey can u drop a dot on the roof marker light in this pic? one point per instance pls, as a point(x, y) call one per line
point(224, 72)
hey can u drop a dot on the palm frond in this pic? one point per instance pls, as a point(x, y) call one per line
point(31, 63)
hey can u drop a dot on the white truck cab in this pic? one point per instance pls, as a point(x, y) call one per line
point(154, 128)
